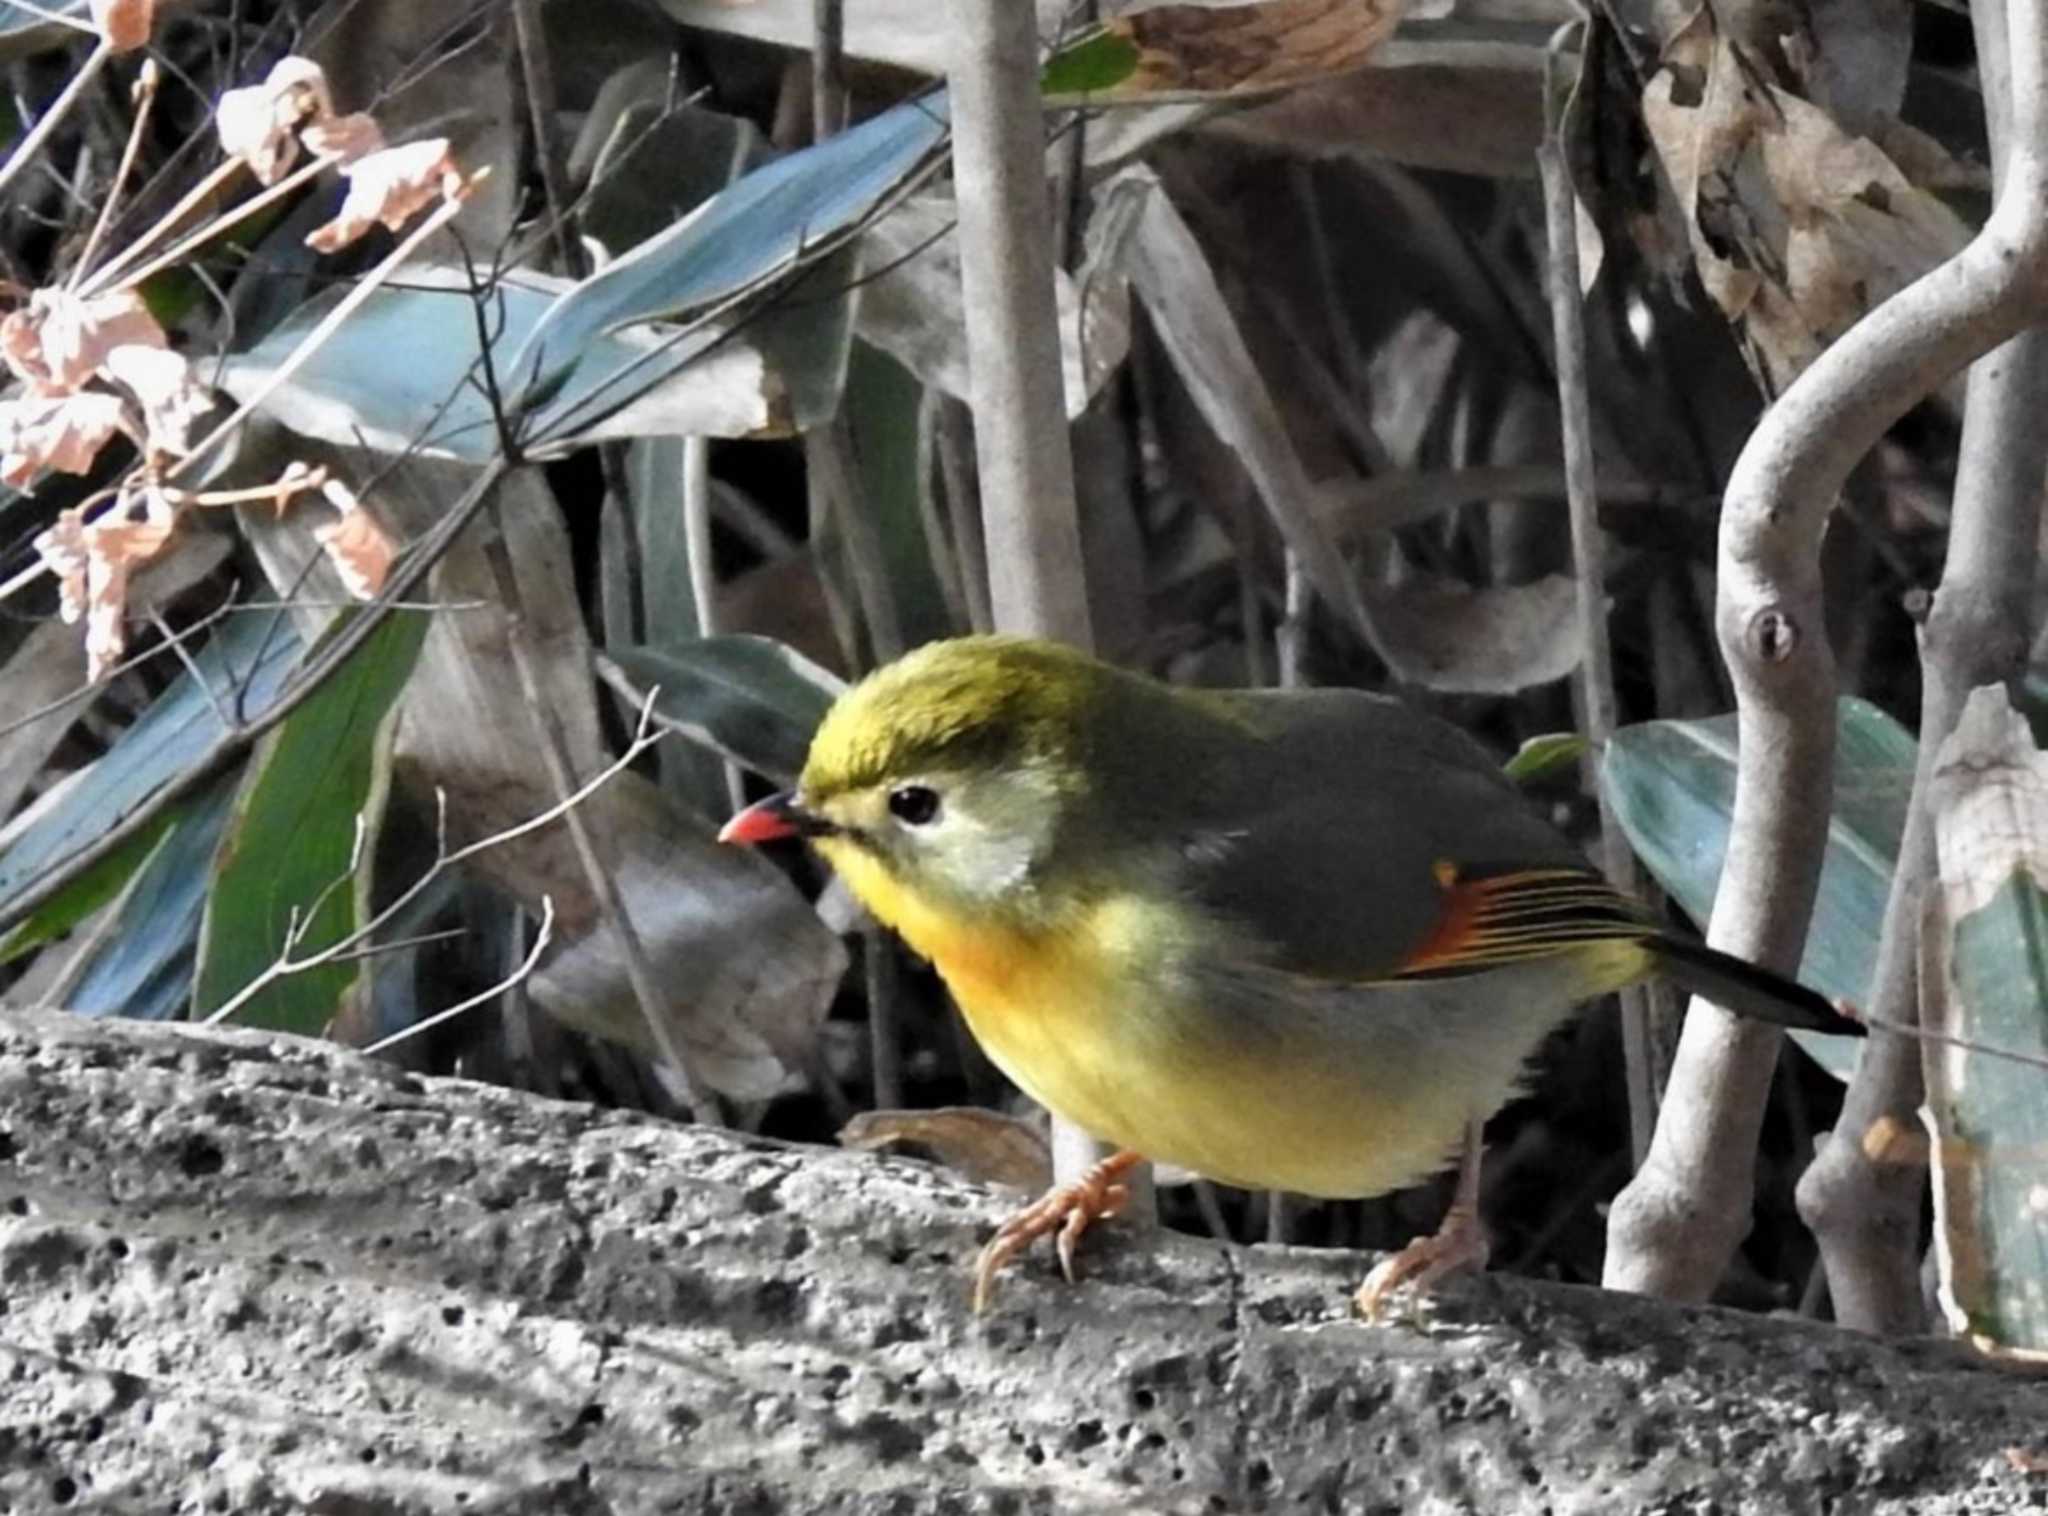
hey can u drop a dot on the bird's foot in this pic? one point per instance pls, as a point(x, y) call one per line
point(1459, 1243)
point(1069, 1209)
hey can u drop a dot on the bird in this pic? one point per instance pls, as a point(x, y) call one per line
point(1295, 939)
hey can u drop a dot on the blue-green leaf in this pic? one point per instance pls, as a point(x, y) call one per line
point(1672, 787)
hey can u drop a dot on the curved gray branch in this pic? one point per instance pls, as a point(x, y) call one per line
point(1674, 1228)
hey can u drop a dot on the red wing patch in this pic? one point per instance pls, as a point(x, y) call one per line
point(1512, 916)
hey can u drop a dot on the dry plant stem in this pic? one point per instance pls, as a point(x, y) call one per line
point(828, 458)
point(538, 77)
point(1673, 1229)
point(122, 268)
point(145, 100)
point(828, 68)
point(1020, 425)
point(54, 116)
point(1864, 1212)
point(405, 575)
point(596, 871)
point(1596, 673)
point(1031, 529)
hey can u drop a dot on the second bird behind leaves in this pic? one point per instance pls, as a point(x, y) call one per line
point(1289, 939)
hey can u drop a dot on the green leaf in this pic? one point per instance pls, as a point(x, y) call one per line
point(753, 699)
point(1672, 787)
point(786, 213)
point(1097, 63)
point(1539, 758)
point(293, 836)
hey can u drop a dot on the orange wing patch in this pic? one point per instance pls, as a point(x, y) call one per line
point(1513, 916)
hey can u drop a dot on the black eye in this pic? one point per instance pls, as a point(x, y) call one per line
point(914, 804)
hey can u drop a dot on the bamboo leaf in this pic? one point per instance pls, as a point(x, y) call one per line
point(293, 835)
point(1672, 786)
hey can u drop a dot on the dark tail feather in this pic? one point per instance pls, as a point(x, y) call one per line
point(1746, 989)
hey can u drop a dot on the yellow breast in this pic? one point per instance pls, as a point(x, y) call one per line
point(1093, 1022)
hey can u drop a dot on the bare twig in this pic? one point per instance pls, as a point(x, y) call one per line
point(542, 934)
point(828, 68)
point(1673, 1229)
point(145, 98)
point(352, 945)
point(538, 77)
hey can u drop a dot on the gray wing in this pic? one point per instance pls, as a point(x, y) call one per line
point(1335, 844)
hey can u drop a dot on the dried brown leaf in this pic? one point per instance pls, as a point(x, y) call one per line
point(61, 546)
point(1798, 228)
point(1200, 49)
point(115, 550)
point(982, 1144)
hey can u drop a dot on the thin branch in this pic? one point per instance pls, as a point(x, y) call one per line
point(1006, 275)
point(538, 75)
point(352, 945)
point(145, 99)
point(543, 933)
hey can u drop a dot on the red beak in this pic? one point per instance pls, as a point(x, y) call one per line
point(767, 820)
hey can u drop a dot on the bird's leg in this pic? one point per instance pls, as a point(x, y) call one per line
point(1459, 1243)
point(1067, 1209)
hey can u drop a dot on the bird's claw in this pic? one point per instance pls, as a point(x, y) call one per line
point(1460, 1243)
point(1068, 1209)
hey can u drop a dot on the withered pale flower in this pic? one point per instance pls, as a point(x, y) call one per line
point(257, 123)
point(58, 340)
point(173, 400)
point(356, 545)
point(124, 24)
point(63, 432)
point(390, 187)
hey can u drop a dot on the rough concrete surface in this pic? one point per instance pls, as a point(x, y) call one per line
point(242, 1273)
